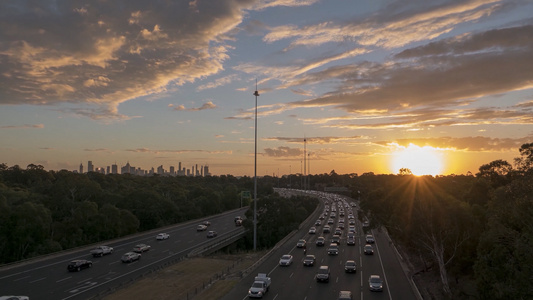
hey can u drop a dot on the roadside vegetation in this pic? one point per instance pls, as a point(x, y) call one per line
point(474, 232)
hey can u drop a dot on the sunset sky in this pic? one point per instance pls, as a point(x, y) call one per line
point(373, 86)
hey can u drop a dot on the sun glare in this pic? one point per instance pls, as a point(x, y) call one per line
point(420, 160)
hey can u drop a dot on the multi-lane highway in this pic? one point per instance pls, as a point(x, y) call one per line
point(48, 278)
point(298, 281)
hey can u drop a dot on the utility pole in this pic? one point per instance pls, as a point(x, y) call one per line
point(256, 94)
point(305, 172)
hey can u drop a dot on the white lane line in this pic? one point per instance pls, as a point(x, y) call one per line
point(38, 280)
point(383, 269)
point(21, 278)
point(64, 279)
point(84, 280)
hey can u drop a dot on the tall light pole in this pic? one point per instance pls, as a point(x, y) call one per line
point(256, 94)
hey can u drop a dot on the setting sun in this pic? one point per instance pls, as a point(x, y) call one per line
point(420, 160)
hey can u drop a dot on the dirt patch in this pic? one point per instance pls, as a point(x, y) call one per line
point(199, 278)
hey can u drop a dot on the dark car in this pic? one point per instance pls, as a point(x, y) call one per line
point(321, 241)
point(375, 283)
point(77, 265)
point(309, 260)
point(336, 239)
point(350, 241)
point(368, 249)
point(350, 266)
point(130, 256)
point(370, 239)
point(211, 234)
point(333, 249)
point(323, 274)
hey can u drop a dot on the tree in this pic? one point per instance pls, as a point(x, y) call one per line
point(525, 162)
point(405, 171)
point(496, 171)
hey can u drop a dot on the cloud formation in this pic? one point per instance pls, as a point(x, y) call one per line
point(103, 53)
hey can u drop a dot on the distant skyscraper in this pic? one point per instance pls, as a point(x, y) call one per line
point(126, 169)
point(172, 171)
point(81, 168)
point(114, 168)
point(90, 167)
point(108, 169)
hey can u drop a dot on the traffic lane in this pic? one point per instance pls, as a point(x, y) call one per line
point(396, 279)
point(50, 277)
point(240, 290)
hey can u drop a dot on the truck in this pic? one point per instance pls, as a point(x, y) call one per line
point(101, 251)
point(260, 286)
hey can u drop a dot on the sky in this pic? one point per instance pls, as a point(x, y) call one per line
point(372, 86)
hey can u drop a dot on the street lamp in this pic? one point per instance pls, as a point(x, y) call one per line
point(256, 94)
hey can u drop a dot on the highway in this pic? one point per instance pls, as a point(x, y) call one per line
point(298, 281)
point(47, 277)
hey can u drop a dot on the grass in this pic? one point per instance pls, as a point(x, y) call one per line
point(199, 278)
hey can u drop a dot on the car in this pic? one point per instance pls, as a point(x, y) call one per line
point(162, 236)
point(345, 295)
point(330, 222)
point(301, 243)
point(318, 223)
point(366, 224)
point(211, 234)
point(326, 229)
point(340, 225)
point(100, 251)
point(351, 222)
point(320, 241)
point(309, 260)
point(14, 298)
point(350, 241)
point(206, 223)
point(375, 283)
point(333, 249)
point(201, 227)
point(323, 274)
point(79, 264)
point(335, 239)
point(286, 260)
point(338, 231)
point(130, 256)
point(370, 239)
point(350, 266)
point(351, 228)
point(368, 249)
point(312, 230)
point(141, 248)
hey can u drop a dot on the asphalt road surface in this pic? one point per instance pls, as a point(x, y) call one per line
point(298, 281)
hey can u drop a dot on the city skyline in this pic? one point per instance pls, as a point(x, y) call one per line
point(195, 170)
point(438, 87)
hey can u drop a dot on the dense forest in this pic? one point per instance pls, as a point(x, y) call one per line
point(47, 211)
point(474, 231)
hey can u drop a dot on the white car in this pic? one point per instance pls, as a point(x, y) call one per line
point(162, 236)
point(312, 230)
point(201, 227)
point(285, 260)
